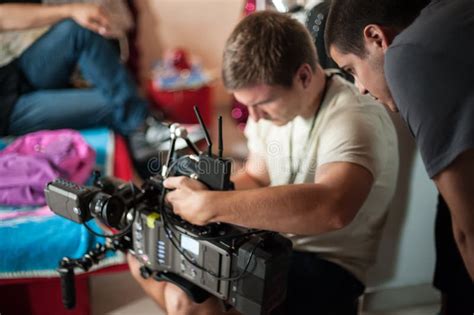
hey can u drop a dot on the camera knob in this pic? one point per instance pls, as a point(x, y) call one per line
point(145, 272)
point(208, 230)
point(181, 132)
point(173, 130)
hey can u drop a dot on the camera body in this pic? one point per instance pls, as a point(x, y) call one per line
point(248, 273)
point(245, 268)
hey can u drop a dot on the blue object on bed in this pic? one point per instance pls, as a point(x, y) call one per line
point(33, 240)
point(33, 246)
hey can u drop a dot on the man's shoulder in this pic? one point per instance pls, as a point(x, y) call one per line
point(345, 98)
point(443, 23)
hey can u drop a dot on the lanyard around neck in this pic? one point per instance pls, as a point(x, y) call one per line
point(294, 172)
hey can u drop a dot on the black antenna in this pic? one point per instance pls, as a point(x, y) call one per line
point(208, 139)
point(221, 143)
point(170, 154)
point(192, 146)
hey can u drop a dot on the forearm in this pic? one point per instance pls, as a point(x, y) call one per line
point(465, 241)
point(299, 209)
point(242, 181)
point(463, 226)
point(455, 184)
point(329, 204)
point(25, 16)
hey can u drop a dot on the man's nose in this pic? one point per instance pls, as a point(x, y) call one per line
point(254, 113)
point(360, 87)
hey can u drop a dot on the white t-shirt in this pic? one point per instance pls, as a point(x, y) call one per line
point(349, 128)
point(14, 43)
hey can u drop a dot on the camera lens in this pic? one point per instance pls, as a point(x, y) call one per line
point(108, 209)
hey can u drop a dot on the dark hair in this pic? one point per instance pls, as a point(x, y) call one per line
point(348, 18)
point(266, 48)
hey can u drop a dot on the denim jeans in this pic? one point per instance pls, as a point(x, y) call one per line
point(51, 103)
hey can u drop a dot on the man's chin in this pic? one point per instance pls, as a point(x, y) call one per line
point(279, 123)
point(390, 105)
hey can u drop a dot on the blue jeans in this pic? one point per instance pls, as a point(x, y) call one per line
point(51, 103)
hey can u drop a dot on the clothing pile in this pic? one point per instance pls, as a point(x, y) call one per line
point(33, 237)
point(31, 161)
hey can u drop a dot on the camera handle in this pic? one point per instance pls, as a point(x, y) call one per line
point(197, 294)
point(67, 265)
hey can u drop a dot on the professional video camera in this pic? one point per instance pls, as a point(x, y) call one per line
point(245, 268)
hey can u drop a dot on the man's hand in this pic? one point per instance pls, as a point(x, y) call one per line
point(91, 16)
point(189, 199)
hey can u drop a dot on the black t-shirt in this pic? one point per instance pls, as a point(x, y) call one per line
point(10, 87)
point(429, 69)
point(12, 83)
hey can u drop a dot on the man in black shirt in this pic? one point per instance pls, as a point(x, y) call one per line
point(421, 65)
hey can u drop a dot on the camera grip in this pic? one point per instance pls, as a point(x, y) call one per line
point(197, 294)
point(68, 289)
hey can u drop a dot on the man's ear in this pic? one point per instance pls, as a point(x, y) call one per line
point(377, 37)
point(304, 74)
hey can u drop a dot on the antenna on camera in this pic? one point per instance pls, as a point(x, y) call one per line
point(203, 127)
point(221, 143)
point(166, 166)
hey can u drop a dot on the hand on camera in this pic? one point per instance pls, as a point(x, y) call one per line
point(189, 199)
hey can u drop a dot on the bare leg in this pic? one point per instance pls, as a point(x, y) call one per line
point(174, 300)
point(152, 288)
point(178, 303)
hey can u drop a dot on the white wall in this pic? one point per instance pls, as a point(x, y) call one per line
point(406, 253)
point(199, 26)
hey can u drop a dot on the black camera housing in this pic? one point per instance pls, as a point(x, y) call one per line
point(245, 268)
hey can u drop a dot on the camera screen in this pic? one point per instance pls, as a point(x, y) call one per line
point(190, 244)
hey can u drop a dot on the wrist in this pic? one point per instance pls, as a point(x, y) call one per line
point(211, 205)
point(67, 10)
